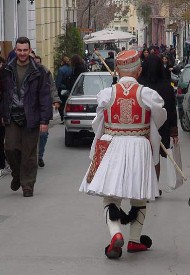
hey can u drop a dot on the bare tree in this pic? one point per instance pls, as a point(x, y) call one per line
point(179, 9)
point(95, 13)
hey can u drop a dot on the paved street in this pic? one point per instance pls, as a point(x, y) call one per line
point(62, 232)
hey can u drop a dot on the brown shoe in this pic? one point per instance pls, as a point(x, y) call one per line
point(15, 184)
point(27, 191)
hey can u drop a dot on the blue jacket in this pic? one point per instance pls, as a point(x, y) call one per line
point(37, 96)
point(61, 80)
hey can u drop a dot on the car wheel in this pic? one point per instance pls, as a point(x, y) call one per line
point(185, 123)
point(69, 138)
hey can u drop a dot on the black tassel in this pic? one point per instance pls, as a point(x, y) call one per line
point(132, 215)
point(124, 218)
point(114, 212)
point(146, 240)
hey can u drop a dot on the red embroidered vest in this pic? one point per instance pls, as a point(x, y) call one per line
point(126, 113)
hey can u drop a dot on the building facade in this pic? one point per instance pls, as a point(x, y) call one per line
point(17, 19)
point(125, 21)
point(50, 18)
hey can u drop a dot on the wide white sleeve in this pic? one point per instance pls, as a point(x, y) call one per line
point(103, 97)
point(155, 102)
point(158, 116)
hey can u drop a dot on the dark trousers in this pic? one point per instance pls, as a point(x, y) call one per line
point(42, 143)
point(62, 106)
point(21, 152)
point(2, 153)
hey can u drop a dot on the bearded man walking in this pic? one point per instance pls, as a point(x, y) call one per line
point(26, 108)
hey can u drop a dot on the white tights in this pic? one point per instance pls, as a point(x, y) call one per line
point(135, 226)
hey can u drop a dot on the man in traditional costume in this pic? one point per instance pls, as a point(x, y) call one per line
point(128, 118)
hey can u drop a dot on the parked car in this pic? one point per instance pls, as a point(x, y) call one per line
point(182, 88)
point(186, 110)
point(80, 107)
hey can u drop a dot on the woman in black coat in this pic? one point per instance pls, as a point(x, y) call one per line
point(152, 77)
point(78, 67)
point(167, 68)
point(145, 53)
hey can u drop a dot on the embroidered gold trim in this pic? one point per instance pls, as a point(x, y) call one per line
point(139, 132)
point(118, 126)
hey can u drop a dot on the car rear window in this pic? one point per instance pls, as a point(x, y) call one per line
point(92, 84)
point(103, 53)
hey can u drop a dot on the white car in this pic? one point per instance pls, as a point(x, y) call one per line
point(80, 108)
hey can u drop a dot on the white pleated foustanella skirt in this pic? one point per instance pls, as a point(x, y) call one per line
point(126, 171)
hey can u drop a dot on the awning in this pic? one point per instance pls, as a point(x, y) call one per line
point(108, 35)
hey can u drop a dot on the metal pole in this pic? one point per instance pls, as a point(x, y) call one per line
point(89, 13)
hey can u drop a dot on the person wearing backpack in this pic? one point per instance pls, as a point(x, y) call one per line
point(62, 82)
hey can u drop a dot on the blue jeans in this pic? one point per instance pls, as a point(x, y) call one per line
point(42, 143)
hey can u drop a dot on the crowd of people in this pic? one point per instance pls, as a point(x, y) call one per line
point(167, 56)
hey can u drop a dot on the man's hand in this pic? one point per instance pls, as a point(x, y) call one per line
point(175, 140)
point(43, 128)
point(56, 105)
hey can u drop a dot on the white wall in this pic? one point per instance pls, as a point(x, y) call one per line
point(17, 20)
point(1, 21)
point(27, 21)
point(10, 20)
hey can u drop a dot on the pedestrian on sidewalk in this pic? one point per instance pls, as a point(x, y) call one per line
point(78, 66)
point(110, 62)
point(152, 76)
point(26, 108)
point(167, 68)
point(4, 167)
point(127, 122)
point(145, 53)
point(62, 82)
point(56, 104)
point(2, 131)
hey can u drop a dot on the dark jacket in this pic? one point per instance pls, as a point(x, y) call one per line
point(167, 72)
point(77, 70)
point(37, 97)
point(152, 77)
point(110, 61)
point(53, 89)
point(63, 74)
point(1, 94)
